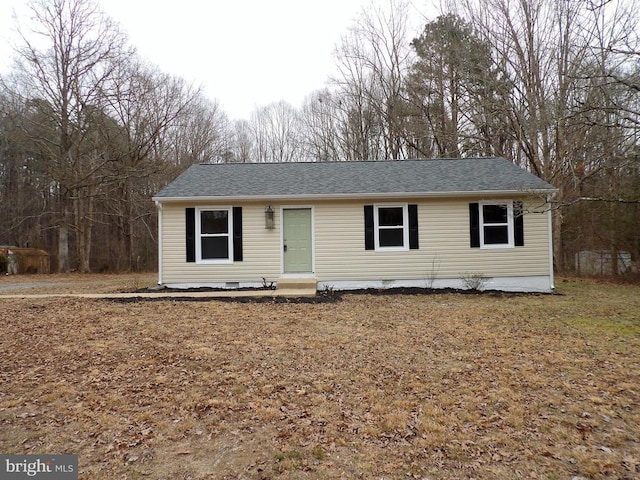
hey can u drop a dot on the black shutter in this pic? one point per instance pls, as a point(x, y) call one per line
point(237, 234)
point(474, 224)
point(190, 222)
point(518, 224)
point(413, 227)
point(369, 233)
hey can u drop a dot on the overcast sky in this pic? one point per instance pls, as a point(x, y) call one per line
point(245, 53)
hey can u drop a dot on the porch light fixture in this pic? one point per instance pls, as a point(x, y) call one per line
point(268, 218)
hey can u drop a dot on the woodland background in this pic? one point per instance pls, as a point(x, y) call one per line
point(89, 131)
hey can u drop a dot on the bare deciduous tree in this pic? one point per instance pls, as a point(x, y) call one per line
point(320, 140)
point(69, 51)
point(372, 61)
point(275, 133)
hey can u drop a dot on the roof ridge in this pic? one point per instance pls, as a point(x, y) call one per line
point(389, 160)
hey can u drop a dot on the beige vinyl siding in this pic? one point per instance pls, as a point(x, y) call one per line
point(443, 239)
point(261, 249)
point(340, 254)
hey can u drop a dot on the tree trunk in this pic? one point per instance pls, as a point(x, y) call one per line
point(63, 240)
point(556, 220)
point(83, 208)
point(133, 262)
point(613, 215)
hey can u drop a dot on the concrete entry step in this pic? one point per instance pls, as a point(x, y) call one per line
point(304, 285)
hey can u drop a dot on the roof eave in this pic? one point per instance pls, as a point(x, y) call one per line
point(354, 196)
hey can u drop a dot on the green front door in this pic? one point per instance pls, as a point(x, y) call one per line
point(297, 243)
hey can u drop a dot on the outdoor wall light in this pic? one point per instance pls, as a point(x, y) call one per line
point(268, 218)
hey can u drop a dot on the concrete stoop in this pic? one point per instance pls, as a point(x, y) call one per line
point(297, 287)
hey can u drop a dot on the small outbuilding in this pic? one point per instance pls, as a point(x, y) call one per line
point(601, 262)
point(460, 223)
point(15, 260)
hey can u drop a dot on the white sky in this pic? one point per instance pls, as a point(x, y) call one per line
point(245, 53)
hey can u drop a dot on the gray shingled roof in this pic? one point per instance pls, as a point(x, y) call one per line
point(406, 177)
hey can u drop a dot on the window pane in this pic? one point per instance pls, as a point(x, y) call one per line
point(494, 213)
point(390, 217)
point(496, 235)
point(391, 237)
point(215, 248)
point(214, 221)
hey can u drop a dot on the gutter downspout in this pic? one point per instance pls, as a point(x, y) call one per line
point(550, 233)
point(159, 206)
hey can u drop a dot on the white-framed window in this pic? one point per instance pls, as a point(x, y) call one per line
point(496, 224)
point(214, 235)
point(391, 227)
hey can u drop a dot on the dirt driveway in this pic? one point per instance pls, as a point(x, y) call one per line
point(75, 283)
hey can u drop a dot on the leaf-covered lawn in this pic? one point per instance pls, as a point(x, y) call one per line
point(444, 386)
